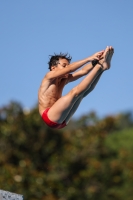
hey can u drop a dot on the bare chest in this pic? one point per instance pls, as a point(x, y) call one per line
point(50, 95)
point(55, 90)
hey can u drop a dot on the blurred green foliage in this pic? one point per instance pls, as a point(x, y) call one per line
point(89, 159)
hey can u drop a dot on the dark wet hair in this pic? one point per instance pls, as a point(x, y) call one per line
point(55, 59)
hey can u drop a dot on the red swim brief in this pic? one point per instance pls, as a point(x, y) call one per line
point(50, 123)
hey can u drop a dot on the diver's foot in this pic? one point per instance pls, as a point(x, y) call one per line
point(105, 62)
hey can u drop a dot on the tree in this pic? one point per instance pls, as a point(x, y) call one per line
point(68, 164)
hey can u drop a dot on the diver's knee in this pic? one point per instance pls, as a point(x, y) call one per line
point(75, 92)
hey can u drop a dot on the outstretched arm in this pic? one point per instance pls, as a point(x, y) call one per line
point(82, 72)
point(86, 69)
point(74, 66)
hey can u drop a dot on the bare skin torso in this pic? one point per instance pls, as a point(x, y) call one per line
point(49, 92)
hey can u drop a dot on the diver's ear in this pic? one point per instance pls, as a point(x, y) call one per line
point(53, 67)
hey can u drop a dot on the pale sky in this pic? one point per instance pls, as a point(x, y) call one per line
point(32, 30)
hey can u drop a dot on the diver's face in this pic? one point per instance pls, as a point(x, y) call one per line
point(63, 63)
